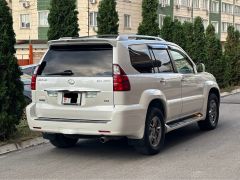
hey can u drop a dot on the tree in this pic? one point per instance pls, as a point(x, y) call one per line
point(232, 55)
point(62, 19)
point(188, 34)
point(107, 18)
point(215, 64)
point(149, 25)
point(178, 35)
point(198, 45)
point(11, 88)
point(166, 31)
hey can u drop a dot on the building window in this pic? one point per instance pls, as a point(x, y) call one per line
point(225, 26)
point(237, 27)
point(25, 21)
point(43, 18)
point(215, 6)
point(205, 24)
point(164, 3)
point(93, 19)
point(237, 10)
point(215, 25)
point(127, 21)
point(227, 8)
point(196, 4)
point(205, 4)
point(186, 3)
point(183, 19)
point(161, 19)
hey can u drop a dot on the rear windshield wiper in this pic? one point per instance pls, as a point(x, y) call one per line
point(64, 73)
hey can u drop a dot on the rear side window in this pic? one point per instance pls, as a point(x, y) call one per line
point(162, 55)
point(140, 58)
point(80, 60)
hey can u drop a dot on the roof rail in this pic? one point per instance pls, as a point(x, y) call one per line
point(138, 37)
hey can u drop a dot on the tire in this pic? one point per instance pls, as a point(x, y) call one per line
point(154, 134)
point(212, 115)
point(62, 141)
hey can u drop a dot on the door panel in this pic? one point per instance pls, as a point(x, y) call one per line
point(192, 84)
point(169, 82)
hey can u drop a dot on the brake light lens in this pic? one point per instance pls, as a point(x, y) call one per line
point(120, 79)
point(34, 79)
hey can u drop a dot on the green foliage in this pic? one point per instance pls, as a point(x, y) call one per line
point(232, 55)
point(215, 63)
point(178, 35)
point(107, 18)
point(166, 31)
point(198, 45)
point(11, 88)
point(188, 34)
point(63, 20)
point(149, 25)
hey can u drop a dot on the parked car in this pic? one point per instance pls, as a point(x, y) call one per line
point(139, 87)
point(26, 79)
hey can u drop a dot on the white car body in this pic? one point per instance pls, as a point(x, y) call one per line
point(105, 112)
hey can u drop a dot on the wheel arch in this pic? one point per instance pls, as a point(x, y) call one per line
point(160, 104)
point(215, 91)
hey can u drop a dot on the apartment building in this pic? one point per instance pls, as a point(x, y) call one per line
point(31, 22)
point(220, 13)
point(30, 17)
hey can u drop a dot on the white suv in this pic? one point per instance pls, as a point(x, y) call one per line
point(139, 87)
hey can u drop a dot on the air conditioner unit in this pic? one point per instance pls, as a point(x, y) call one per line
point(26, 4)
point(92, 1)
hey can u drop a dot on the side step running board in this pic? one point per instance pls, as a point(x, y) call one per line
point(182, 122)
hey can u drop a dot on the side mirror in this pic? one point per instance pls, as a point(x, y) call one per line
point(201, 68)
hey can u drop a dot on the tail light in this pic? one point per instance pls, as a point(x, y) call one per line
point(120, 79)
point(34, 78)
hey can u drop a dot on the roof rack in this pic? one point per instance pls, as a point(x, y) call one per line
point(138, 37)
point(118, 37)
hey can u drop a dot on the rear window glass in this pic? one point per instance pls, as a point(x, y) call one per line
point(28, 71)
point(81, 60)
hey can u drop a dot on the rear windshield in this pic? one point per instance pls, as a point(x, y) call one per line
point(80, 60)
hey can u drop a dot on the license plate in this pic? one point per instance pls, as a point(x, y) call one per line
point(71, 98)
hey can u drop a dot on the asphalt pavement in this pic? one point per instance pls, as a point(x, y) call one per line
point(188, 154)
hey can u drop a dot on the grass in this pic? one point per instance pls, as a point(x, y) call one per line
point(23, 133)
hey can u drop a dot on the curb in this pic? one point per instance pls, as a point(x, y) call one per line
point(37, 141)
point(224, 94)
point(22, 145)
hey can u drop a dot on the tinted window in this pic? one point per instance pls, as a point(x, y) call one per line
point(140, 58)
point(82, 60)
point(162, 55)
point(182, 63)
point(29, 71)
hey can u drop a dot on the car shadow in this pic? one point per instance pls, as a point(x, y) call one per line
point(120, 148)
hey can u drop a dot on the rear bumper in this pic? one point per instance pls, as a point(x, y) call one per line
point(125, 121)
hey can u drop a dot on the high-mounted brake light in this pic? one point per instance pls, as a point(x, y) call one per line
point(120, 79)
point(34, 78)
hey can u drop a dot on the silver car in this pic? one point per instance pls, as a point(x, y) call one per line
point(26, 79)
point(138, 87)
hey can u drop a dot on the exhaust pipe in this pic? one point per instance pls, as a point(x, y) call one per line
point(104, 139)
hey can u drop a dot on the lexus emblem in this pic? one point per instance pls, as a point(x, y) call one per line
point(71, 82)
